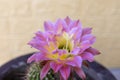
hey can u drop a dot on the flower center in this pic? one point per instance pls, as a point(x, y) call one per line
point(56, 56)
point(64, 42)
point(63, 46)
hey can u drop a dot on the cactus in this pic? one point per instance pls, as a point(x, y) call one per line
point(33, 73)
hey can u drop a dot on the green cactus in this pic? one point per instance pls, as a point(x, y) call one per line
point(33, 73)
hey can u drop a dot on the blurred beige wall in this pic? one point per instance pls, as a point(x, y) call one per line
point(19, 19)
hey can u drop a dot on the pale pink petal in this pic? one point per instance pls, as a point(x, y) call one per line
point(48, 26)
point(76, 62)
point(44, 71)
point(79, 24)
point(75, 51)
point(89, 37)
point(87, 31)
point(55, 66)
point(73, 30)
point(80, 72)
point(84, 45)
point(87, 56)
point(65, 72)
point(93, 39)
point(37, 57)
point(40, 35)
point(61, 24)
point(68, 20)
point(59, 27)
point(74, 24)
point(38, 44)
point(41, 57)
point(93, 51)
point(31, 58)
point(77, 34)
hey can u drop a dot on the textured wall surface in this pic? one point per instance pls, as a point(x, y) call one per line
point(19, 19)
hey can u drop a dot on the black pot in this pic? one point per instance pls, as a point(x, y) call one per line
point(16, 68)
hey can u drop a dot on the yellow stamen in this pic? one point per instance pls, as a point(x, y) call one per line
point(64, 42)
point(53, 56)
point(50, 47)
point(65, 56)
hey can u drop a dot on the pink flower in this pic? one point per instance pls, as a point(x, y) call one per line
point(64, 46)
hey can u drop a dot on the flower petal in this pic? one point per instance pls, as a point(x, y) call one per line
point(37, 57)
point(89, 37)
point(77, 33)
point(73, 30)
point(87, 31)
point(87, 56)
point(55, 66)
point(68, 20)
point(76, 62)
point(40, 35)
point(74, 24)
point(48, 26)
point(31, 58)
point(93, 51)
point(84, 45)
point(38, 44)
point(41, 57)
point(44, 71)
point(61, 25)
point(80, 72)
point(75, 51)
point(65, 72)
